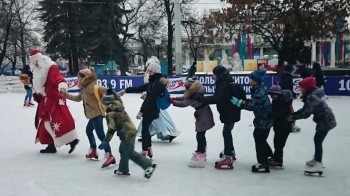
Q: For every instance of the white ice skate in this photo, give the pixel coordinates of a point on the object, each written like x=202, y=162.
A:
x=197, y=160
x=317, y=168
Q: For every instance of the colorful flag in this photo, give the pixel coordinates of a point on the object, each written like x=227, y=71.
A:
x=250, y=48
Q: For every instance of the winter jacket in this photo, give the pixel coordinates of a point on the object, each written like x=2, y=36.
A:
x=221, y=97
x=90, y=103
x=261, y=106
x=313, y=104
x=25, y=79
x=154, y=88
x=203, y=114
x=281, y=109
x=318, y=74
x=286, y=82
x=119, y=121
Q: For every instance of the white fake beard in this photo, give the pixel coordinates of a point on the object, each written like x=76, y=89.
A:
x=39, y=79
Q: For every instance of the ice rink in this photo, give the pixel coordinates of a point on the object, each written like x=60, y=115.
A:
x=26, y=172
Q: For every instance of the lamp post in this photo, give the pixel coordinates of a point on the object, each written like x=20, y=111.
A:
x=158, y=41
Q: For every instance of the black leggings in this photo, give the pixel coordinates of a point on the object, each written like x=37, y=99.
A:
x=201, y=142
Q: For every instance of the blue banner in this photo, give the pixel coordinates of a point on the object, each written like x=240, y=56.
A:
x=334, y=85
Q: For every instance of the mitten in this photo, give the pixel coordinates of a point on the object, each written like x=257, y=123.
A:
x=172, y=99
x=37, y=97
x=139, y=115
x=103, y=145
x=110, y=89
x=236, y=102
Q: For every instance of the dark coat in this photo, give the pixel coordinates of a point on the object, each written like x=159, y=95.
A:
x=286, y=82
x=154, y=88
x=318, y=74
x=313, y=104
x=229, y=113
x=203, y=114
x=281, y=109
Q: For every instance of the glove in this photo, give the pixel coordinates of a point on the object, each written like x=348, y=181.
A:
x=37, y=97
x=103, y=145
x=172, y=99
x=236, y=102
x=139, y=115
x=110, y=89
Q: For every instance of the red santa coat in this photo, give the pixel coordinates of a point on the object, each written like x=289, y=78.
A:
x=56, y=124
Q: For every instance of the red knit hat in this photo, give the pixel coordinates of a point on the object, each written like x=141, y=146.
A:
x=309, y=84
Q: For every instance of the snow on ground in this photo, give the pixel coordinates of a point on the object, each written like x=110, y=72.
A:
x=25, y=171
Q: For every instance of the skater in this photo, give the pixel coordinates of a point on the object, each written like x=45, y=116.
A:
x=229, y=114
x=319, y=77
x=87, y=82
x=263, y=121
x=119, y=121
x=192, y=70
x=29, y=92
x=286, y=82
x=204, y=119
x=281, y=109
x=149, y=110
x=163, y=127
x=323, y=117
x=55, y=124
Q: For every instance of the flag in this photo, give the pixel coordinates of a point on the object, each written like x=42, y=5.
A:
x=250, y=48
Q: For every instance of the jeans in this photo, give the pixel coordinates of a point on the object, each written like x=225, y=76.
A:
x=96, y=124
x=29, y=94
x=228, y=141
x=318, y=140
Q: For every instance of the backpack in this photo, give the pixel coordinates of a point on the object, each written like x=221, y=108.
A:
x=238, y=91
x=100, y=104
x=163, y=100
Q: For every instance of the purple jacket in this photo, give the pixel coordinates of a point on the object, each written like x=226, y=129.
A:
x=203, y=114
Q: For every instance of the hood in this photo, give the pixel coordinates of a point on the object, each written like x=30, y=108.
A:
x=196, y=87
x=89, y=79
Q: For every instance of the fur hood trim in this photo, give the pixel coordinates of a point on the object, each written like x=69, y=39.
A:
x=196, y=87
x=89, y=79
x=164, y=81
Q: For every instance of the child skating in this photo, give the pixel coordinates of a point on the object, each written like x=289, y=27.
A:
x=323, y=117
x=119, y=121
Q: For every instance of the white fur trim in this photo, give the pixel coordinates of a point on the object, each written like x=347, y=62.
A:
x=40, y=70
x=62, y=86
x=66, y=138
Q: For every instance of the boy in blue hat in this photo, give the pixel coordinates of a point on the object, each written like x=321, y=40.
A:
x=261, y=106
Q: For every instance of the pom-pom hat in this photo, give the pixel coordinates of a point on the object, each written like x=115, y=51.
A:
x=258, y=75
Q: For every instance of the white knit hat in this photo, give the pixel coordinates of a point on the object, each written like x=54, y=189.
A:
x=153, y=64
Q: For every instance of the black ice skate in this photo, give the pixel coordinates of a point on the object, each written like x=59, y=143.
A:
x=73, y=144
x=260, y=168
x=119, y=173
x=149, y=171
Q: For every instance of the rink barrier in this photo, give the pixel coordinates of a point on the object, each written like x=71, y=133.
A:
x=335, y=85
x=10, y=84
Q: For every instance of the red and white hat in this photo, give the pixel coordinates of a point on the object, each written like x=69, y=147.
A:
x=35, y=55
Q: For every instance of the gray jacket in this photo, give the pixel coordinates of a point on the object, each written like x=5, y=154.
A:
x=313, y=104
x=203, y=114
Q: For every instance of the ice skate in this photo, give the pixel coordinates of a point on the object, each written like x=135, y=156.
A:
x=149, y=171
x=30, y=103
x=119, y=173
x=197, y=160
x=49, y=149
x=226, y=162
x=260, y=168
x=109, y=159
x=92, y=154
x=296, y=128
x=275, y=164
x=73, y=144
x=317, y=168
x=312, y=162
x=233, y=155
x=150, y=152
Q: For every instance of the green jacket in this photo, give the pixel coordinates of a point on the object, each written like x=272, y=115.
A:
x=119, y=121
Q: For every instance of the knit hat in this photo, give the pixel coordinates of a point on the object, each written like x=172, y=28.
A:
x=189, y=82
x=153, y=64
x=309, y=84
x=287, y=95
x=275, y=89
x=84, y=72
x=219, y=70
x=35, y=55
x=258, y=75
x=289, y=68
